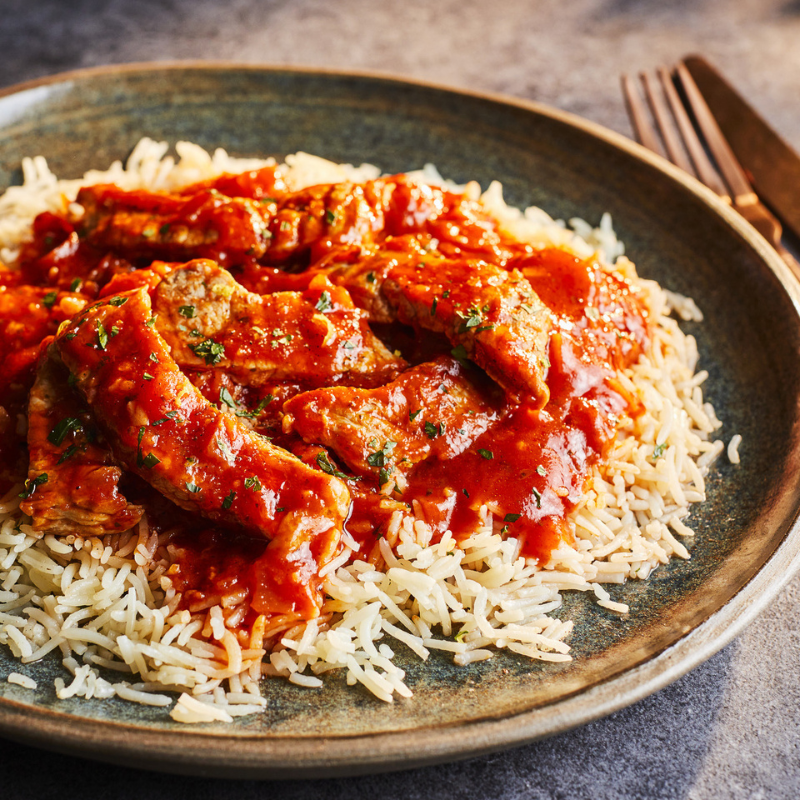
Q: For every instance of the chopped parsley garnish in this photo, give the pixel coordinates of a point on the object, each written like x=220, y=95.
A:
x=102, y=336
x=75, y=285
x=253, y=483
x=151, y=322
x=465, y=492
x=330, y=217
x=30, y=485
x=511, y=517
x=154, y=358
x=379, y=457
x=280, y=510
x=64, y=427
x=67, y=454
x=349, y=345
x=147, y=376
x=370, y=277
x=209, y=350
x=228, y=501
x=114, y=330
x=48, y=301
x=324, y=303
x=168, y=416
x=325, y=465
x=149, y=461
x=472, y=320
x=384, y=475
x=433, y=305
x=226, y=397
x=658, y=450
x=459, y=352
x=431, y=431
x=186, y=311
x=412, y=415
x=192, y=487
x=541, y=470
x=446, y=294
x=538, y=495
x=164, y=228
x=118, y=301
x=70, y=336
x=487, y=454
x=484, y=328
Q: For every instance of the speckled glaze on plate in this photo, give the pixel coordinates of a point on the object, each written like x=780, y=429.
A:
x=677, y=232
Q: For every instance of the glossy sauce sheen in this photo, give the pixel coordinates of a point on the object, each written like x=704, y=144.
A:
x=528, y=460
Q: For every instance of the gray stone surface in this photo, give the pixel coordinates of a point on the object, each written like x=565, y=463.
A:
x=729, y=729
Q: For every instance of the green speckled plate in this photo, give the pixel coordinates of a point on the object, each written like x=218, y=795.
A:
x=676, y=231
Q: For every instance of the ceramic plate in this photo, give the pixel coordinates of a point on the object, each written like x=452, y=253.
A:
x=675, y=231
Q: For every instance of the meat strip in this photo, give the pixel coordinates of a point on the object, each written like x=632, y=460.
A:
x=73, y=479
x=161, y=428
x=317, y=337
x=433, y=411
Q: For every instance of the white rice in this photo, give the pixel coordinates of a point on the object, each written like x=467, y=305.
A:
x=108, y=604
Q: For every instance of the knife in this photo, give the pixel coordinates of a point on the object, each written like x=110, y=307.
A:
x=773, y=165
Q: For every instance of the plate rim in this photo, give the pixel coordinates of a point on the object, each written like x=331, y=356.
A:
x=196, y=752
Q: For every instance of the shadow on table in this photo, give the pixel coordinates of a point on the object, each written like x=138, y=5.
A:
x=652, y=749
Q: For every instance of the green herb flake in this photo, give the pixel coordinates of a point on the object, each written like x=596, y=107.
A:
x=102, y=336
x=70, y=336
x=541, y=470
x=280, y=509
x=168, y=416
x=117, y=301
x=511, y=517
x=67, y=454
x=431, y=431
x=412, y=415
x=324, y=303
x=209, y=350
x=228, y=501
x=658, y=450
x=459, y=352
x=538, y=495
x=446, y=294
x=325, y=465
x=154, y=358
x=487, y=454
x=32, y=484
x=384, y=475
x=150, y=460
x=186, y=311
x=75, y=285
x=192, y=487
x=434, y=304
x=379, y=457
x=465, y=492
x=62, y=428
x=226, y=397
x=48, y=301
x=370, y=277
x=164, y=229
x=151, y=322
x=253, y=483
x=330, y=217
x=147, y=376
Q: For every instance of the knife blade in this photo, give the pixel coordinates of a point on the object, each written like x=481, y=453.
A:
x=772, y=163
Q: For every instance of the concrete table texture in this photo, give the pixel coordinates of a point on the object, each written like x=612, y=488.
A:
x=729, y=729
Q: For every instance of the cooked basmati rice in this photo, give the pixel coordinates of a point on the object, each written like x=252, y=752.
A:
x=108, y=603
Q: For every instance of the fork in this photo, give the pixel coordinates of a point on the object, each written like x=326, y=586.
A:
x=685, y=149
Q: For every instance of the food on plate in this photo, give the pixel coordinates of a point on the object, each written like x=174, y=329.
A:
x=264, y=419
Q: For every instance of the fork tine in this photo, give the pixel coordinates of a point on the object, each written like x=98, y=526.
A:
x=642, y=128
x=665, y=125
x=741, y=190
x=703, y=166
